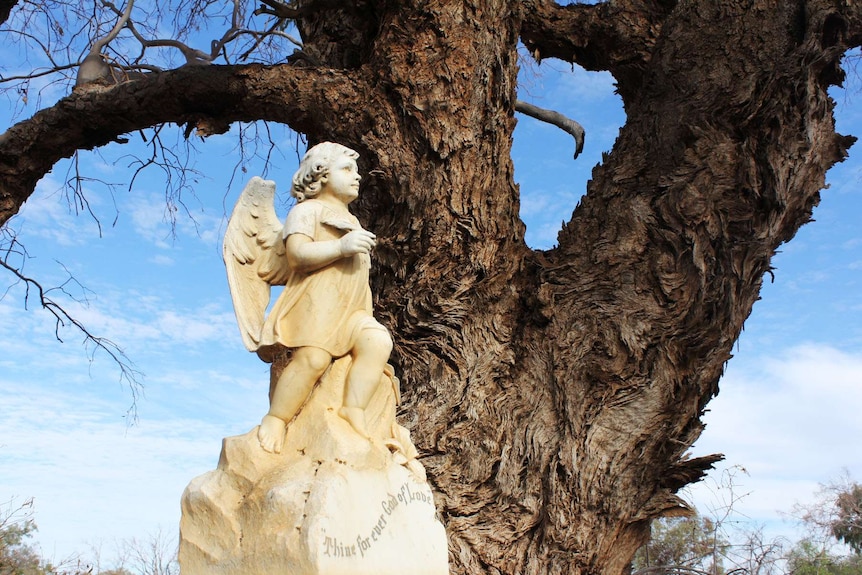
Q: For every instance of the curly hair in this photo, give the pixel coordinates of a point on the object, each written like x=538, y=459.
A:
x=314, y=169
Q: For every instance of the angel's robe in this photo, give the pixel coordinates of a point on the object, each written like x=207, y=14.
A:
x=326, y=308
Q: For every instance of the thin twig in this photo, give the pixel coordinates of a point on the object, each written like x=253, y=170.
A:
x=40, y=74
x=259, y=38
x=64, y=319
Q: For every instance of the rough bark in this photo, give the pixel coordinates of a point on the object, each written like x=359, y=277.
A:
x=553, y=394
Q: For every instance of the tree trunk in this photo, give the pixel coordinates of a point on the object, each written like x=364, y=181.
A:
x=554, y=394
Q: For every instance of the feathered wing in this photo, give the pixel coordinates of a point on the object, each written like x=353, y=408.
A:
x=254, y=257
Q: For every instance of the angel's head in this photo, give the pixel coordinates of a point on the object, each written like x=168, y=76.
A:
x=314, y=169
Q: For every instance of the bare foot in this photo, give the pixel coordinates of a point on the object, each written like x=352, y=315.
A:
x=271, y=433
x=355, y=416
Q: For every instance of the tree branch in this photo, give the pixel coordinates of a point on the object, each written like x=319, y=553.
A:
x=191, y=55
x=62, y=317
x=614, y=36
x=55, y=67
x=291, y=10
x=38, y=74
x=303, y=98
x=93, y=67
x=557, y=119
x=123, y=19
x=279, y=9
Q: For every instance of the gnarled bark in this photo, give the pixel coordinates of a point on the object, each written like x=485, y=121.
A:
x=554, y=394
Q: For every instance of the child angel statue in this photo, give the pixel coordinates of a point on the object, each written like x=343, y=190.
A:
x=321, y=256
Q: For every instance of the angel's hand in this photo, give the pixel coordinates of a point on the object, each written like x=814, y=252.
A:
x=357, y=242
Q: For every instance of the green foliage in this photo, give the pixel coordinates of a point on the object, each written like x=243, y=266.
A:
x=687, y=542
x=847, y=525
x=806, y=558
x=16, y=556
x=157, y=556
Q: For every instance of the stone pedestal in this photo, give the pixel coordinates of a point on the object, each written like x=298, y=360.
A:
x=332, y=503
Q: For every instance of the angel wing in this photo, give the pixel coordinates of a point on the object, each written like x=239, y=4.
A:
x=254, y=257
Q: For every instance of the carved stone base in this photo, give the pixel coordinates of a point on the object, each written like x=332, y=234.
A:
x=332, y=503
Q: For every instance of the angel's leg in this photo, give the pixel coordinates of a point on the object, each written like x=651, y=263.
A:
x=370, y=355
x=292, y=389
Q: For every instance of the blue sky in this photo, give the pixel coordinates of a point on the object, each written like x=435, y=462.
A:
x=787, y=411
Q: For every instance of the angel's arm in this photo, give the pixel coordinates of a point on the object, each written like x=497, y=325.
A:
x=306, y=255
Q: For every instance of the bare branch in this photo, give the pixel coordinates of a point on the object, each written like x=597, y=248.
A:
x=157, y=555
x=53, y=33
x=40, y=73
x=13, y=513
x=287, y=11
x=191, y=55
x=121, y=22
x=557, y=119
x=94, y=68
x=62, y=318
x=176, y=169
x=44, y=47
x=672, y=570
x=261, y=37
x=292, y=10
x=303, y=98
x=197, y=57
x=74, y=183
x=237, y=30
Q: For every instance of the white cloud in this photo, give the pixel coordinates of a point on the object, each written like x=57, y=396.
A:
x=558, y=83
x=852, y=244
x=93, y=477
x=161, y=223
x=792, y=421
x=162, y=260
x=586, y=87
x=163, y=340
x=142, y=321
x=151, y=219
x=48, y=214
x=543, y=236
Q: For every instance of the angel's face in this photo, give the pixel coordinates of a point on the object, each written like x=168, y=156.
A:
x=343, y=180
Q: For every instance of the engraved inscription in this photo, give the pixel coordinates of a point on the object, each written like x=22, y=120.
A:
x=360, y=546
x=332, y=547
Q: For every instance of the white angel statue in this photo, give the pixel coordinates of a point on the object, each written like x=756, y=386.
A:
x=321, y=256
